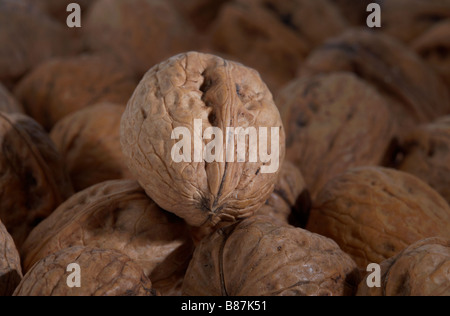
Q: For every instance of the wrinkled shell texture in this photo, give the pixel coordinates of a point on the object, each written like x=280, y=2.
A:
x=373, y=213
x=62, y=86
x=28, y=38
x=262, y=34
x=434, y=47
x=334, y=122
x=89, y=143
x=423, y=269
x=33, y=181
x=117, y=215
x=103, y=273
x=289, y=201
x=427, y=155
x=8, y=103
x=220, y=93
x=10, y=270
x=416, y=94
x=256, y=257
x=408, y=19
x=139, y=33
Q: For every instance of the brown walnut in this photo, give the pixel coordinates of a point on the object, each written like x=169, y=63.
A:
x=426, y=152
x=10, y=270
x=257, y=258
x=334, y=122
x=117, y=215
x=33, y=181
x=102, y=273
x=373, y=213
x=89, y=143
x=423, y=269
x=8, y=103
x=221, y=94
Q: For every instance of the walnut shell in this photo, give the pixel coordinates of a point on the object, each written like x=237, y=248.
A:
x=334, y=122
x=373, y=213
x=290, y=202
x=33, y=181
x=10, y=270
x=257, y=258
x=434, y=47
x=274, y=36
x=139, y=33
x=422, y=269
x=221, y=94
x=63, y=86
x=117, y=215
x=102, y=272
x=426, y=153
x=28, y=38
x=415, y=93
x=8, y=103
x=408, y=19
x=89, y=142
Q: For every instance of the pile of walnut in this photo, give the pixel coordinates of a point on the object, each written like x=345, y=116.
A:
x=87, y=175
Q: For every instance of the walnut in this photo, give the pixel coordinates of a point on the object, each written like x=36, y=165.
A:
x=290, y=203
x=10, y=270
x=373, y=213
x=139, y=33
x=33, y=181
x=193, y=92
x=89, y=142
x=63, y=86
x=434, y=47
x=420, y=270
x=426, y=153
x=28, y=38
x=415, y=93
x=102, y=273
x=257, y=258
x=334, y=122
x=8, y=103
x=408, y=19
x=274, y=36
x=117, y=215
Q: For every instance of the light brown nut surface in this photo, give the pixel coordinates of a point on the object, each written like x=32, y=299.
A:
x=221, y=94
x=139, y=33
x=426, y=153
x=117, y=215
x=102, y=273
x=290, y=202
x=434, y=47
x=422, y=269
x=28, y=38
x=63, y=86
x=33, y=181
x=274, y=36
x=257, y=258
x=334, y=122
x=374, y=213
x=408, y=19
x=89, y=143
x=10, y=270
x=8, y=103
x=415, y=92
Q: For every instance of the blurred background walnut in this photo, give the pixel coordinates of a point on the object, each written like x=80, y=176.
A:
x=103, y=273
x=117, y=215
x=423, y=269
x=10, y=270
x=62, y=86
x=89, y=143
x=258, y=258
x=33, y=181
x=8, y=102
x=374, y=213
